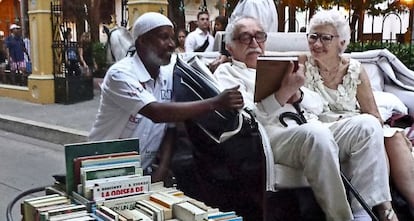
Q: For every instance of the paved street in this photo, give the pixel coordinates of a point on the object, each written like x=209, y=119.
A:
x=26, y=163
x=57, y=123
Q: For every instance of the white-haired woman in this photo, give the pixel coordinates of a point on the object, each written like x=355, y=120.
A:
x=345, y=88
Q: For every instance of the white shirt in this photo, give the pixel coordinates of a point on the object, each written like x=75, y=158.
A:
x=197, y=38
x=267, y=111
x=126, y=89
x=263, y=10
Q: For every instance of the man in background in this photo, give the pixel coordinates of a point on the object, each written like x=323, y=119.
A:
x=200, y=40
x=15, y=54
x=3, y=58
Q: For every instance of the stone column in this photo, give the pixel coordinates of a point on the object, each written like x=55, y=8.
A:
x=41, y=81
x=139, y=7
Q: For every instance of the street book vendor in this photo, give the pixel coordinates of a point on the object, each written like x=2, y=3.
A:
x=136, y=98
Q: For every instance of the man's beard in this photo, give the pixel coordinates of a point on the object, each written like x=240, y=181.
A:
x=157, y=59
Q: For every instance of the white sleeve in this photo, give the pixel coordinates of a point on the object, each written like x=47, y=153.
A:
x=312, y=102
x=126, y=93
x=263, y=10
x=190, y=42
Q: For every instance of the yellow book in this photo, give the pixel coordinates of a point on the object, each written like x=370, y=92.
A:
x=165, y=210
x=25, y=202
x=30, y=207
x=165, y=199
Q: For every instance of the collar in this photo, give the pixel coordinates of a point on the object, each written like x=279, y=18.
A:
x=200, y=32
x=242, y=65
x=143, y=75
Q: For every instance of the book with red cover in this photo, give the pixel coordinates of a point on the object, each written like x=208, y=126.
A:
x=93, y=148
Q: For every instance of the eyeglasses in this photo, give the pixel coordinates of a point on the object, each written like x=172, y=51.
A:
x=325, y=38
x=247, y=38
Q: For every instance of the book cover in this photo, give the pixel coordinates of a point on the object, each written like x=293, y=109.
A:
x=132, y=157
x=115, y=187
x=148, y=212
x=221, y=215
x=135, y=215
x=109, y=212
x=165, y=199
x=67, y=216
x=88, y=160
x=73, y=151
x=229, y=218
x=102, y=216
x=87, y=217
x=32, y=206
x=203, y=206
x=123, y=203
x=269, y=74
x=167, y=212
x=44, y=216
x=127, y=215
x=171, y=191
x=189, y=212
x=110, y=170
x=24, y=205
x=40, y=211
x=157, y=214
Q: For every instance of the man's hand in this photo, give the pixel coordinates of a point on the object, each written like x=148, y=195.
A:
x=228, y=99
x=220, y=60
x=291, y=83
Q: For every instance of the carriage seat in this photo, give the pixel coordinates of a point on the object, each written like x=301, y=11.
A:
x=391, y=80
x=393, y=86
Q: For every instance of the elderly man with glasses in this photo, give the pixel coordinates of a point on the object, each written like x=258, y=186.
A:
x=319, y=150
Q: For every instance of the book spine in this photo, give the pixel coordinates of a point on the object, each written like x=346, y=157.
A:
x=102, y=216
x=123, y=203
x=159, y=201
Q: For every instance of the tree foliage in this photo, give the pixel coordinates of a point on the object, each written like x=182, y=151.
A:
x=358, y=8
x=92, y=11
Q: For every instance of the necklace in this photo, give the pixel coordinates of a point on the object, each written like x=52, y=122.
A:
x=328, y=74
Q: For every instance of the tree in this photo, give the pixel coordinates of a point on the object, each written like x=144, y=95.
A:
x=92, y=11
x=176, y=13
x=357, y=7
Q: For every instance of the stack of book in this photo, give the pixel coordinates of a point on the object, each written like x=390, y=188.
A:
x=160, y=204
x=108, y=176
x=105, y=182
x=53, y=207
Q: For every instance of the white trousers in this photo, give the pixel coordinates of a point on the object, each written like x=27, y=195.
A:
x=354, y=145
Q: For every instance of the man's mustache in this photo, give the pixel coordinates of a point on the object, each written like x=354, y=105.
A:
x=254, y=50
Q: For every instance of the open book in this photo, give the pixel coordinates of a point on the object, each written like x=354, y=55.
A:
x=269, y=74
x=194, y=81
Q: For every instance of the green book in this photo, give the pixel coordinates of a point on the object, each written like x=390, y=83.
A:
x=73, y=151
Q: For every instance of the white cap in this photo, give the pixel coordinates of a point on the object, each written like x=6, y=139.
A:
x=149, y=21
x=14, y=26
